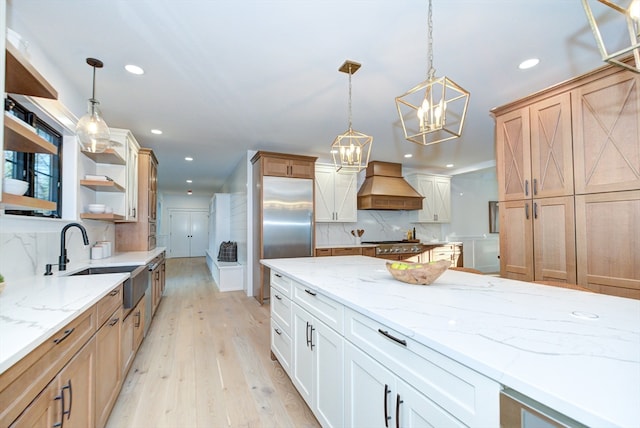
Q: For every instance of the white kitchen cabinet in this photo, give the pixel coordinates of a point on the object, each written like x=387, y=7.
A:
x=402, y=405
x=336, y=195
x=318, y=367
x=436, y=206
x=120, y=164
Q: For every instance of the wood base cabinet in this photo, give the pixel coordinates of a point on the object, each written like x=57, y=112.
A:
x=608, y=247
x=108, y=369
x=69, y=399
x=537, y=240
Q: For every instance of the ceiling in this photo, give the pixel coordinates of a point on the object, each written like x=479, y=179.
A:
x=226, y=76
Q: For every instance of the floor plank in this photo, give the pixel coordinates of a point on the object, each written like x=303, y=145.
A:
x=206, y=362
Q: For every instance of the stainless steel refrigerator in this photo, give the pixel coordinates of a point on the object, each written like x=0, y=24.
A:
x=285, y=224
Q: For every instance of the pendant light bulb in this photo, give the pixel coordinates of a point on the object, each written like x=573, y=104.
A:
x=91, y=130
x=634, y=10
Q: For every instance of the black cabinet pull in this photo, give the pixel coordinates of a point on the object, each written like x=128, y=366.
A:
x=277, y=330
x=278, y=275
x=390, y=336
x=307, y=333
x=526, y=211
x=137, y=323
x=535, y=210
x=278, y=297
x=114, y=292
x=64, y=336
x=114, y=322
x=535, y=186
x=387, y=391
x=526, y=187
x=398, y=402
x=61, y=398
x=309, y=292
x=68, y=412
x=311, y=337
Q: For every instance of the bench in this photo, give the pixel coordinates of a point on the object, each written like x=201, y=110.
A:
x=228, y=276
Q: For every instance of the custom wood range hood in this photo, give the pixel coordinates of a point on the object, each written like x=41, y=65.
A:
x=385, y=189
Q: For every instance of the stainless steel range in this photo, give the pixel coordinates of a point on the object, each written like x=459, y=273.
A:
x=397, y=250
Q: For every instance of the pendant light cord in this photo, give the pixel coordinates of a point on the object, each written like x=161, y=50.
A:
x=349, y=97
x=432, y=71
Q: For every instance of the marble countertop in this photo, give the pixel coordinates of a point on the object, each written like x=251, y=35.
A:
x=576, y=352
x=33, y=309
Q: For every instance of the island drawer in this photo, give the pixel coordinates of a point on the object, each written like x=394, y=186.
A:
x=323, y=252
x=281, y=346
x=24, y=380
x=469, y=395
x=281, y=282
x=346, y=251
x=322, y=307
x=108, y=304
x=281, y=309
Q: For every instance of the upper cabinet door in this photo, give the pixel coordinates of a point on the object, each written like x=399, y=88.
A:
x=513, y=155
x=606, y=131
x=336, y=195
x=551, y=147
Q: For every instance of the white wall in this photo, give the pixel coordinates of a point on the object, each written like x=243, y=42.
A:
x=237, y=186
x=470, y=196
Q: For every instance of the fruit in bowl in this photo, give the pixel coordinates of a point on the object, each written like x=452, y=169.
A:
x=418, y=273
x=14, y=187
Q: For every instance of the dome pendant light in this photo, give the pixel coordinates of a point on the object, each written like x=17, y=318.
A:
x=92, y=131
x=433, y=111
x=351, y=150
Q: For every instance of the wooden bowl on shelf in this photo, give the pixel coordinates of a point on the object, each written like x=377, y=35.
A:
x=418, y=273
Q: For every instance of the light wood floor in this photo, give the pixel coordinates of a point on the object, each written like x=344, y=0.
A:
x=206, y=362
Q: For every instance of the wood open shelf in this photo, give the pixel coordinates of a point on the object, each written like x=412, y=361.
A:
x=103, y=216
x=102, y=185
x=22, y=78
x=20, y=137
x=108, y=156
x=25, y=202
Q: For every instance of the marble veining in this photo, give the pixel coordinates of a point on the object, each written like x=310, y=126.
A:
x=34, y=308
x=523, y=335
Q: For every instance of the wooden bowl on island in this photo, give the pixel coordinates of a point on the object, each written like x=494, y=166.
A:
x=418, y=273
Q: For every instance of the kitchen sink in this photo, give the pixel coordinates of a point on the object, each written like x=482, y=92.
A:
x=134, y=286
x=105, y=269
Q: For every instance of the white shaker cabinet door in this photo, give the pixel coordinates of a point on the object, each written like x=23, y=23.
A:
x=302, y=354
x=328, y=349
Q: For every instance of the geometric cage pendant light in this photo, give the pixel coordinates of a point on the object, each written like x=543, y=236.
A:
x=435, y=110
x=616, y=28
x=351, y=150
x=92, y=131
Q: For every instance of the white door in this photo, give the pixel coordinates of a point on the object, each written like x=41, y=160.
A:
x=302, y=354
x=328, y=347
x=369, y=391
x=189, y=234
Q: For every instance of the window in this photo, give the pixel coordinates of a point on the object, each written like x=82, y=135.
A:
x=42, y=171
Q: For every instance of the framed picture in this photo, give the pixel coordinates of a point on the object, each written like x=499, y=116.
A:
x=494, y=224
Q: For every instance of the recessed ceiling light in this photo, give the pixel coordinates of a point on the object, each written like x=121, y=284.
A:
x=156, y=131
x=528, y=63
x=408, y=155
x=449, y=165
x=134, y=69
x=188, y=158
x=189, y=181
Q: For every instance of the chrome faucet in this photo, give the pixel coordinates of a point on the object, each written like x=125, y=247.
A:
x=63, y=260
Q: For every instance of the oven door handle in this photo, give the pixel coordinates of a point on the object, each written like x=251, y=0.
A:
x=152, y=267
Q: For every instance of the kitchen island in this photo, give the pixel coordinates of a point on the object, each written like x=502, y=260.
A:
x=575, y=352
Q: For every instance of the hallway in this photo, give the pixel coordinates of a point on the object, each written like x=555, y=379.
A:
x=205, y=362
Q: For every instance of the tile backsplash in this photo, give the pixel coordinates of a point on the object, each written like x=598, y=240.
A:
x=378, y=226
x=27, y=244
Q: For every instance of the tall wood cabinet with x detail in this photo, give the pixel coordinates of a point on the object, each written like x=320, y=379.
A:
x=568, y=164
